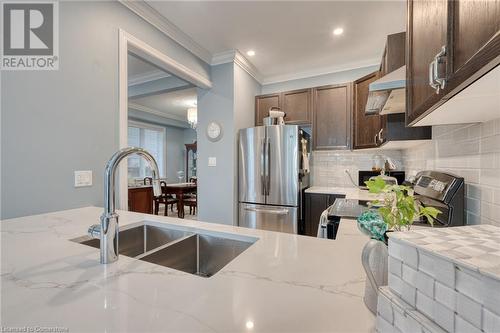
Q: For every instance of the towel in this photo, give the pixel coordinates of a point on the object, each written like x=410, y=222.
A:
x=305, y=156
x=323, y=220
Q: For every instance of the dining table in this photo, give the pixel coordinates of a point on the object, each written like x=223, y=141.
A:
x=180, y=190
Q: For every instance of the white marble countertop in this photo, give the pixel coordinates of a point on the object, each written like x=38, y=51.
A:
x=282, y=283
x=349, y=192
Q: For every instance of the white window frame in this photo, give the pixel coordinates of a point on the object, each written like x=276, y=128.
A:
x=140, y=124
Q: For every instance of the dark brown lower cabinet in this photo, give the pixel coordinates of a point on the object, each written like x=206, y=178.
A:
x=140, y=200
x=315, y=204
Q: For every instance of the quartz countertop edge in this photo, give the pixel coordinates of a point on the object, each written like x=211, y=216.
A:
x=348, y=192
x=282, y=283
x=430, y=240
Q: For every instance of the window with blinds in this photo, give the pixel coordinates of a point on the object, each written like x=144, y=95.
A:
x=152, y=139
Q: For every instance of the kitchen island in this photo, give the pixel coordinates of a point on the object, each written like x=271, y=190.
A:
x=281, y=283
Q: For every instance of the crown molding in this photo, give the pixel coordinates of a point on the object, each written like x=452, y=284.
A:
x=142, y=108
x=320, y=71
x=146, y=77
x=236, y=57
x=152, y=16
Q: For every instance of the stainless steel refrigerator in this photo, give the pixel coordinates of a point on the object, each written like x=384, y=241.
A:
x=272, y=176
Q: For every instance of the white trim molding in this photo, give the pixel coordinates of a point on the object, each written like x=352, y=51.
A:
x=128, y=43
x=161, y=60
x=151, y=15
x=239, y=59
x=320, y=71
x=146, y=77
x=142, y=108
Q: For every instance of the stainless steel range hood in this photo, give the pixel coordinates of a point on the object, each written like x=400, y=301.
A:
x=387, y=94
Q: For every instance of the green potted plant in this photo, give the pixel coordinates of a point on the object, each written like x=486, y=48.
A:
x=395, y=211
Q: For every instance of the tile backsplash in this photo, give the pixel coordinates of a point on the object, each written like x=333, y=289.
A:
x=328, y=167
x=471, y=151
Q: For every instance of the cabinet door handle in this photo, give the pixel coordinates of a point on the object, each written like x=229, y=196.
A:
x=440, y=59
x=432, y=75
x=435, y=81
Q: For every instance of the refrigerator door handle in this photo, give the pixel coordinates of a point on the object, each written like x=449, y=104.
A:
x=268, y=211
x=263, y=167
x=268, y=166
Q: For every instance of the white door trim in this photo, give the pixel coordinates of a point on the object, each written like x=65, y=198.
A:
x=126, y=43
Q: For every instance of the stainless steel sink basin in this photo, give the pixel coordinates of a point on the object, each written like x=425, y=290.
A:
x=199, y=254
x=141, y=239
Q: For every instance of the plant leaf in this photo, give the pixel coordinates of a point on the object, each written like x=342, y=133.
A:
x=376, y=186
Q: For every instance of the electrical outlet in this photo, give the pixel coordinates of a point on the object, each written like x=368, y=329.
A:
x=212, y=161
x=83, y=178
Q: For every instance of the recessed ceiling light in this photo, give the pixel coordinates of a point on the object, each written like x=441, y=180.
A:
x=250, y=53
x=338, y=31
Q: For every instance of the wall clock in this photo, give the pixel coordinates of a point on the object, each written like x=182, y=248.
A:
x=214, y=131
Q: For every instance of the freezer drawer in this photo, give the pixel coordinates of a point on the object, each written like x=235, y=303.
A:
x=274, y=218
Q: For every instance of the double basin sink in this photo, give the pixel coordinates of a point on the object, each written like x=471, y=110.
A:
x=199, y=253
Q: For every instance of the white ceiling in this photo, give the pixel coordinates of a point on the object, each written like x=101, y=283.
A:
x=172, y=104
x=290, y=38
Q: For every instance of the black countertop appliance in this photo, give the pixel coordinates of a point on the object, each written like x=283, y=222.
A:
x=364, y=176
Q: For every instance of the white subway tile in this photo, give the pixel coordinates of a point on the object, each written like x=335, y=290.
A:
x=383, y=326
x=491, y=322
x=384, y=309
x=469, y=309
x=425, y=284
x=395, y=266
x=469, y=283
x=463, y=326
x=491, y=294
x=409, y=275
x=443, y=316
x=425, y=304
x=445, y=295
x=441, y=270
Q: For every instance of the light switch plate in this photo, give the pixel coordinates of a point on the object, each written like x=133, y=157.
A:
x=212, y=161
x=83, y=178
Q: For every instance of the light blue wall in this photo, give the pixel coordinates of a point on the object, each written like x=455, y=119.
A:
x=320, y=80
x=231, y=103
x=216, y=184
x=56, y=122
x=176, y=150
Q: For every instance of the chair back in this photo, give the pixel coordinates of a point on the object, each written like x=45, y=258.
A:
x=163, y=186
x=148, y=181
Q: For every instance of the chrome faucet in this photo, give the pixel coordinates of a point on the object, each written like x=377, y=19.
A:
x=107, y=230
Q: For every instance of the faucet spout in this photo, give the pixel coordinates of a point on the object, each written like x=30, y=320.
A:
x=108, y=228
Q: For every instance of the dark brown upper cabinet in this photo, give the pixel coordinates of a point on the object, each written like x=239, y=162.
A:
x=365, y=127
x=296, y=104
x=450, y=44
x=262, y=105
x=332, y=110
x=394, y=53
